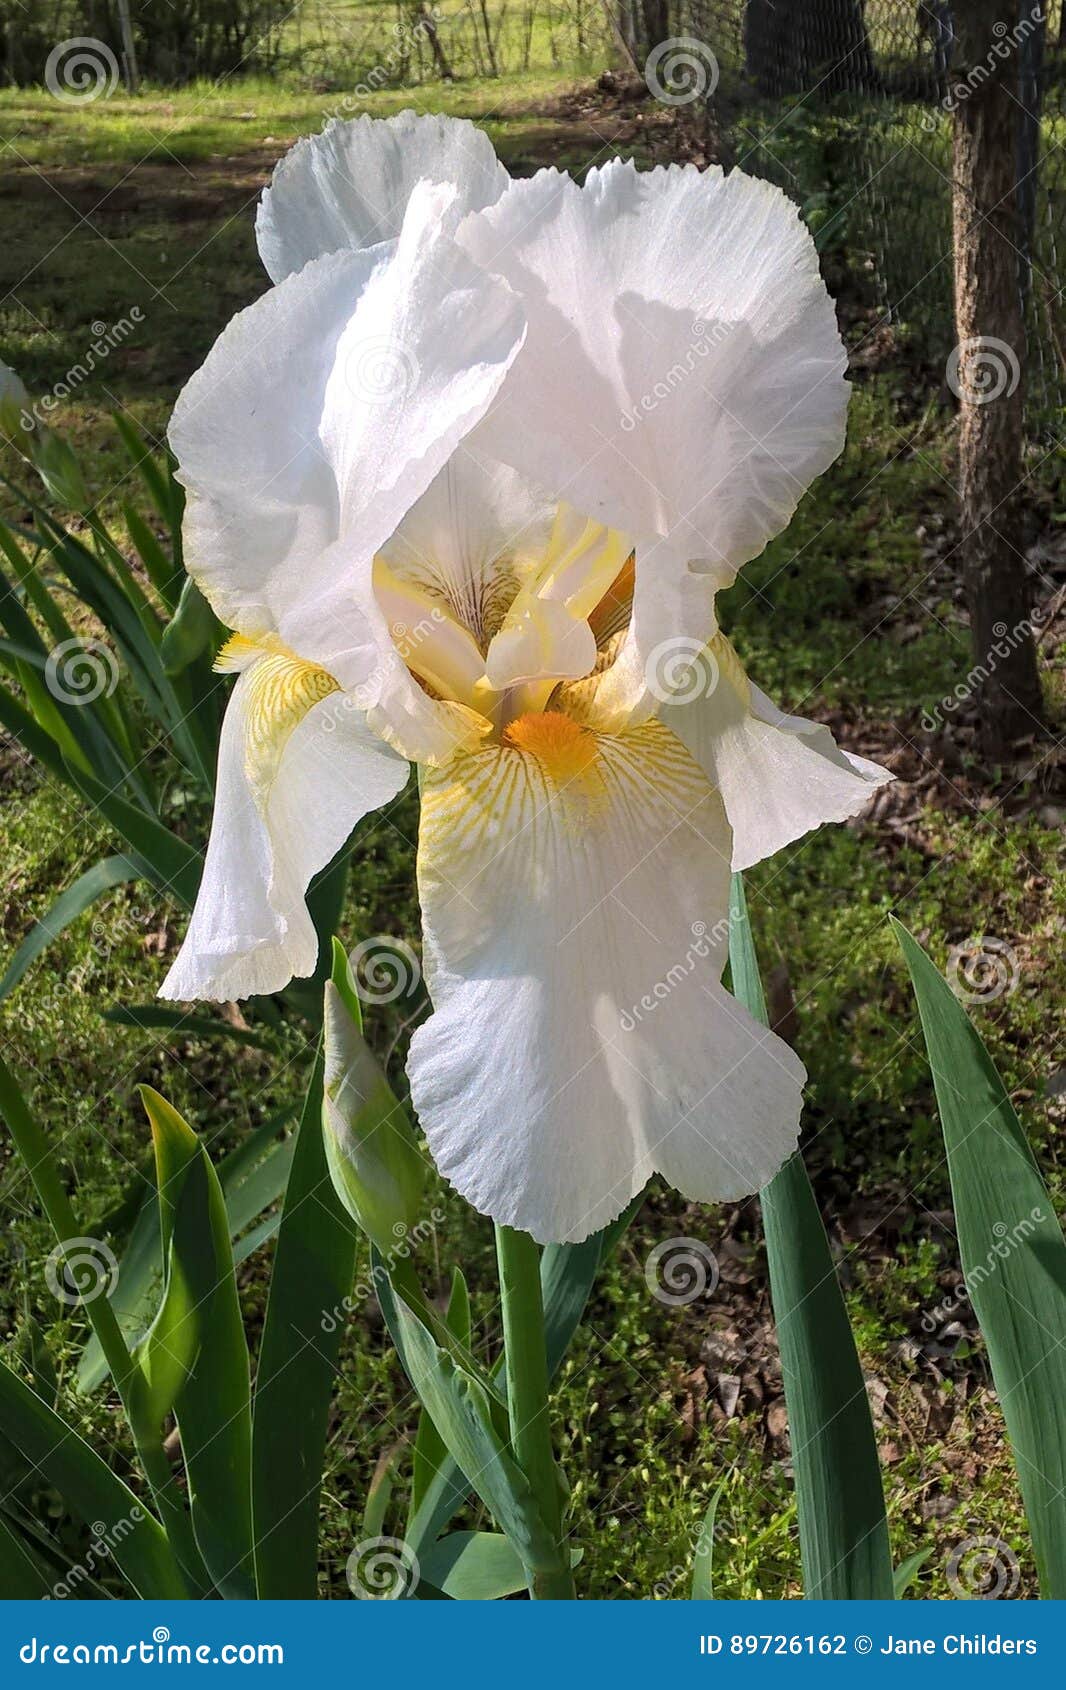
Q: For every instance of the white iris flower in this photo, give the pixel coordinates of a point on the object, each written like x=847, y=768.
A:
x=465, y=482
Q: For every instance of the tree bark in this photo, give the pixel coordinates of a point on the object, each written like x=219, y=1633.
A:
x=987, y=374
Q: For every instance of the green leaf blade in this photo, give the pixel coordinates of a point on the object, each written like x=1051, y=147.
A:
x=840, y=1501
x=1012, y=1251
x=314, y=1262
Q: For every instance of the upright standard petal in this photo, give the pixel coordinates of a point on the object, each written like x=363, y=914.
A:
x=297, y=769
x=779, y=776
x=319, y=418
x=575, y=892
x=349, y=186
x=682, y=379
x=475, y=534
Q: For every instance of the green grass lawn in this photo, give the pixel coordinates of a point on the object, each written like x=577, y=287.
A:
x=853, y=614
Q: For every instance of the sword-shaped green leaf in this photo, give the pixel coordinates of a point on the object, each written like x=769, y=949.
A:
x=90, y=1489
x=314, y=1260
x=195, y=1356
x=1013, y=1255
x=841, y=1505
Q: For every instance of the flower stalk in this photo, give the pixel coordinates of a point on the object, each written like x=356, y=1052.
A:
x=527, y=1397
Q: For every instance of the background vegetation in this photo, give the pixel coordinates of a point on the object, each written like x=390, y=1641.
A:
x=854, y=616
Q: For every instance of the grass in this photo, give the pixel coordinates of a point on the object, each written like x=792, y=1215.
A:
x=852, y=614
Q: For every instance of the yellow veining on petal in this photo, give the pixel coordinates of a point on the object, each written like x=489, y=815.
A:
x=550, y=774
x=434, y=645
x=280, y=690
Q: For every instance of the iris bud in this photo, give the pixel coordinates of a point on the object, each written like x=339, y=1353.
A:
x=375, y=1165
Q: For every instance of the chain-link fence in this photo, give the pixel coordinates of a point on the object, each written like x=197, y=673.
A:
x=848, y=106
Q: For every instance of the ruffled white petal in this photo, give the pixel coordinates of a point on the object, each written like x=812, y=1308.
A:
x=250, y=931
x=779, y=776
x=349, y=186
x=683, y=376
x=575, y=934
x=321, y=415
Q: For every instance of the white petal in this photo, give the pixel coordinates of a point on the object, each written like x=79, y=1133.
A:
x=349, y=186
x=321, y=415
x=682, y=379
x=250, y=931
x=575, y=934
x=779, y=776
x=683, y=369
x=478, y=529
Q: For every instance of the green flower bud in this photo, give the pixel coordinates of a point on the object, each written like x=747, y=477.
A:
x=374, y=1162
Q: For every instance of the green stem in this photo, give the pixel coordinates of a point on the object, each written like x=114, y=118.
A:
x=526, y=1363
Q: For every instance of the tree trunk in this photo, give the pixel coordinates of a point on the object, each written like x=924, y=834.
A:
x=803, y=46
x=987, y=365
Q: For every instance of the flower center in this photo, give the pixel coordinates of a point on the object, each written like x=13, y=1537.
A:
x=565, y=750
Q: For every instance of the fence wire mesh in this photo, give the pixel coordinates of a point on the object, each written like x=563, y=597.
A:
x=848, y=107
